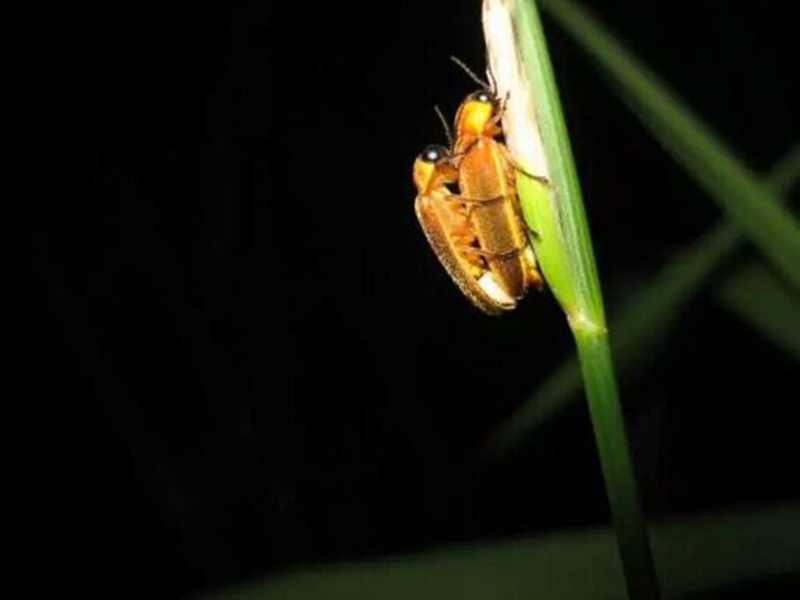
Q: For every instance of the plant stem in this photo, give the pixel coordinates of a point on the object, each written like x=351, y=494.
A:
x=612, y=446
x=552, y=203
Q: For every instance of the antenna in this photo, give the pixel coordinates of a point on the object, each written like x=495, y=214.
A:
x=471, y=73
x=446, y=126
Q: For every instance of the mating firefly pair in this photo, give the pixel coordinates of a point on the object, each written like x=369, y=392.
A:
x=468, y=207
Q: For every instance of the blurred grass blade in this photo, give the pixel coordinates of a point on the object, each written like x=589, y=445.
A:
x=643, y=323
x=694, y=555
x=749, y=203
x=785, y=174
x=759, y=298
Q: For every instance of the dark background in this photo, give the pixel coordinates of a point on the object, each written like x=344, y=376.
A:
x=238, y=349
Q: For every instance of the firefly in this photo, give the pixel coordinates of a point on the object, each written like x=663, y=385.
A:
x=446, y=222
x=477, y=232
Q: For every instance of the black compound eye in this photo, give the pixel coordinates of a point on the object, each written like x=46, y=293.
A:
x=434, y=153
x=482, y=96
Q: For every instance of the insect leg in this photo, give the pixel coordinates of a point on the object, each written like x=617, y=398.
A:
x=508, y=254
x=474, y=201
x=501, y=110
x=532, y=232
x=473, y=204
x=532, y=275
x=517, y=167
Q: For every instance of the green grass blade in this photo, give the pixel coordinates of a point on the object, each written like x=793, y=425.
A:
x=786, y=173
x=536, y=134
x=608, y=422
x=760, y=299
x=643, y=322
x=694, y=555
x=740, y=195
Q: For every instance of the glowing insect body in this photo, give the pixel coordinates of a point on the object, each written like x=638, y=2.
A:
x=478, y=235
x=446, y=221
x=486, y=171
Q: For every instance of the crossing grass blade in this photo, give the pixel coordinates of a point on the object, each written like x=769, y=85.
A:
x=643, y=323
x=695, y=555
x=759, y=298
x=751, y=205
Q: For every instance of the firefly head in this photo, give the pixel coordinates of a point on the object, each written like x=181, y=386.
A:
x=477, y=115
x=433, y=167
x=434, y=154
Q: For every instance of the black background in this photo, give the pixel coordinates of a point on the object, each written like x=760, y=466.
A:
x=240, y=352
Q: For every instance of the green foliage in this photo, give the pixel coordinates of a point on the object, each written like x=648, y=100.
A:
x=729, y=547
x=643, y=323
x=738, y=192
x=579, y=564
x=761, y=299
